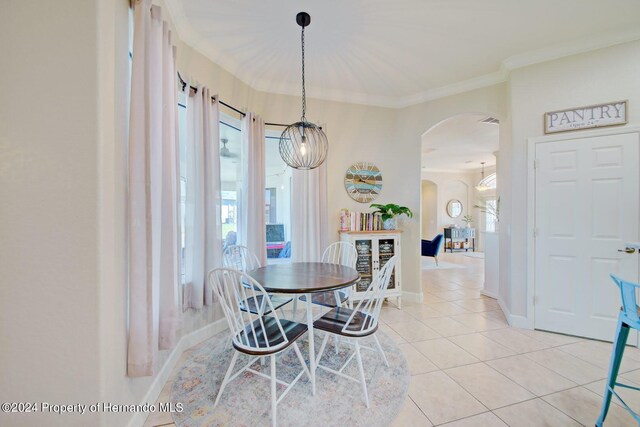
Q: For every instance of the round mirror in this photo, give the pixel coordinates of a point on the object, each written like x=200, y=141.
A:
x=454, y=208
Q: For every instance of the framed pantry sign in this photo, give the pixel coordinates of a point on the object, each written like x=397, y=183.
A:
x=592, y=116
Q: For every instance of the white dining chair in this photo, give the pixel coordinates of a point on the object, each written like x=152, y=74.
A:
x=342, y=253
x=356, y=324
x=256, y=334
x=242, y=259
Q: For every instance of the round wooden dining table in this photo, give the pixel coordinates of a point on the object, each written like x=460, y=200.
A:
x=305, y=278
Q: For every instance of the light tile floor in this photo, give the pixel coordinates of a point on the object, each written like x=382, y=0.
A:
x=470, y=369
x=480, y=372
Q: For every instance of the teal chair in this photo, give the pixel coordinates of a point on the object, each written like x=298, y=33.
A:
x=628, y=319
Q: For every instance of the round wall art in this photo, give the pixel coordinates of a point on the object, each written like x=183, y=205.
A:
x=363, y=182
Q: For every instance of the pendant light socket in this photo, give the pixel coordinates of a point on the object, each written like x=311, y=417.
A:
x=303, y=19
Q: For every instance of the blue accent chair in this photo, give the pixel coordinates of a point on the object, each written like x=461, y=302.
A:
x=432, y=247
x=629, y=318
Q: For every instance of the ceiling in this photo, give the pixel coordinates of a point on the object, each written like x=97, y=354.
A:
x=396, y=53
x=460, y=144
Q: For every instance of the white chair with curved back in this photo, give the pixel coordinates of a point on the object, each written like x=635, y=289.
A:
x=342, y=253
x=255, y=334
x=242, y=259
x=358, y=323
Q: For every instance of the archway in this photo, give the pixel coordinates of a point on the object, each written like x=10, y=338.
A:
x=457, y=154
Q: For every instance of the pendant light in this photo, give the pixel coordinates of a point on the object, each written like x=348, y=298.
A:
x=482, y=186
x=303, y=145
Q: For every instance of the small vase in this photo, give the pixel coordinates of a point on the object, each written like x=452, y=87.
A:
x=390, y=224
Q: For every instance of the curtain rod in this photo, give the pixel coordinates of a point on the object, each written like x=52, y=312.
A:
x=243, y=114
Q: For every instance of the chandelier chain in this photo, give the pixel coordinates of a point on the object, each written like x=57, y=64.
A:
x=304, y=96
x=303, y=145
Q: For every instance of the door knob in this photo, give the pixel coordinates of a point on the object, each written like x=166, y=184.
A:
x=627, y=250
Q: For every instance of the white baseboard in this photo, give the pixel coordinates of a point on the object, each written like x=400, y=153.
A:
x=490, y=295
x=504, y=309
x=515, y=320
x=518, y=321
x=413, y=296
x=204, y=333
x=186, y=342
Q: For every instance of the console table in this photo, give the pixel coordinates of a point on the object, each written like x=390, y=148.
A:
x=462, y=235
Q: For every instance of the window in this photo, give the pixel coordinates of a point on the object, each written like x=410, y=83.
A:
x=271, y=206
x=182, y=142
x=277, y=188
x=489, y=216
x=277, y=201
x=230, y=177
x=488, y=182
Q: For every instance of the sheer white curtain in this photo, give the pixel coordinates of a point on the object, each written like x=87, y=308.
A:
x=251, y=229
x=203, y=241
x=154, y=193
x=309, y=220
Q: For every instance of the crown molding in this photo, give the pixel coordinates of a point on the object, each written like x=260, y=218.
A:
x=573, y=47
x=561, y=50
x=454, y=88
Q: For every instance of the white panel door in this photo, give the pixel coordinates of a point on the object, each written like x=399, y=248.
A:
x=586, y=209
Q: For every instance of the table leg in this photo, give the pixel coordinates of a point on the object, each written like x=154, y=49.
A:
x=312, y=350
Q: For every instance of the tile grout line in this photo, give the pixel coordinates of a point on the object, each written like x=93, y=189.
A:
x=419, y=409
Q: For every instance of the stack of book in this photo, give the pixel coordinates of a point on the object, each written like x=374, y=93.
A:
x=360, y=221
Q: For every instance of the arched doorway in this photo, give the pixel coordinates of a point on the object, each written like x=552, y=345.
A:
x=458, y=155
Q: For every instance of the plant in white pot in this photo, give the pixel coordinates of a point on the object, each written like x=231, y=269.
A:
x=390, y=212
x=468, y=219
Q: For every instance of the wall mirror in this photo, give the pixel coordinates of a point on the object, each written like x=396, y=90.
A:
x=454, y=208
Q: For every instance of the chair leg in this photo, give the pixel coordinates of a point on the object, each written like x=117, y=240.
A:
x=301, y=359
x=362, y=380
x=274, y=401
x=436, y=260
x=324, y=343
x=381, y=351
x=226, y=377
x=622, y=334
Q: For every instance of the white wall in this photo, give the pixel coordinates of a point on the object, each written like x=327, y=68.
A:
x=48, y=215
x=603, y=75
x=429, y=209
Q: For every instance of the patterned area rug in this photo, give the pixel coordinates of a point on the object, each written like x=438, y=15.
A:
x=246, y=401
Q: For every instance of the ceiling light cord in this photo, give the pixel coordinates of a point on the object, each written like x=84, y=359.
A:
x=304, y=95
x=303, y=145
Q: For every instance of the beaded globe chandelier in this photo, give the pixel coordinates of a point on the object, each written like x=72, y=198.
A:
x=303, y=145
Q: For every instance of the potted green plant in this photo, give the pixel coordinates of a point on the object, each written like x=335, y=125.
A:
x=390, y=212
x=468, y=219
